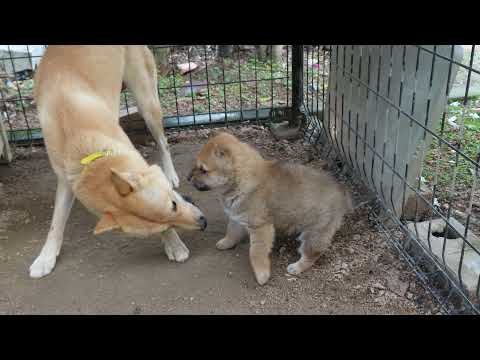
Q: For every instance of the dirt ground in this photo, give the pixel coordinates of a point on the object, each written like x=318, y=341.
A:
x=113, y=274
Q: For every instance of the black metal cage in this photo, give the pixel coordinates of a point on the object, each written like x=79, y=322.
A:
x=403, y=120
x=198, y=86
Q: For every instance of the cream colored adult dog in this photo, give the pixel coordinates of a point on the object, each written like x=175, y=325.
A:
x=77, y=90
x=263, y=197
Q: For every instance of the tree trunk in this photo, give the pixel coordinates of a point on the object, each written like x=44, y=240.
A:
x=161, y=58
x=261, y=52
x=224, y=50
x=277, y=52
x=265, y=51
x=5, y=152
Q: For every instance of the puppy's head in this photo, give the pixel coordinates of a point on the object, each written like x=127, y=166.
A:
x=147, y=204
x=214, y=164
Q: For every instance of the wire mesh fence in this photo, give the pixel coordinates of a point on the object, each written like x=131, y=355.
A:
x=404, y=120
x=199, y=85
x=210, y=87
x=17, y=106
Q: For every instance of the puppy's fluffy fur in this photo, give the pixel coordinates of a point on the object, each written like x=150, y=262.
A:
x=263, y=197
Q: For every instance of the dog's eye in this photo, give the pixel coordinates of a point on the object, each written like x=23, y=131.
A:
x=174, y=206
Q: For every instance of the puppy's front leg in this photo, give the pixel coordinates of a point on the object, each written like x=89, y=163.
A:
x=235, y=234
x=45, y=262
x=174, y=247
x=261, y=242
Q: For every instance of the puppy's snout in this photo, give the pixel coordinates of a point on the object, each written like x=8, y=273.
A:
x=188, y=199
x=202, y=221
x=201, y=187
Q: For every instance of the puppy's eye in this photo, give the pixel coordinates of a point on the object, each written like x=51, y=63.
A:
x=174, y=206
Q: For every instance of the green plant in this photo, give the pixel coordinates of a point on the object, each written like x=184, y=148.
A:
x=443, y=163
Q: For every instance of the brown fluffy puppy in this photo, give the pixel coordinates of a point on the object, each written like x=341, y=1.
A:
x=263, y=197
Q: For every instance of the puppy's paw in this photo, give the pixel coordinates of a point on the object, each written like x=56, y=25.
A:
x=225, y=244
x=176, y=251
x=262, y=276
x=296, y=268
x=42, y=266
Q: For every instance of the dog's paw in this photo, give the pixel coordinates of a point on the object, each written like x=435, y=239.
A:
x=174, y=180
x=295, y=268
x=262, y=277
x=171, y=175
x=225, y=244
x=176, y=251
x=42, y=266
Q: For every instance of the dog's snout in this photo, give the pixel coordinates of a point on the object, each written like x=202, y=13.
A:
x=202, y=221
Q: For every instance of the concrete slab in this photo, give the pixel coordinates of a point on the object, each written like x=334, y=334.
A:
x=469, y=272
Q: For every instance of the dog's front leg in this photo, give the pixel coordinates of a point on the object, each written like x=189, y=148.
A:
x=164, y=152
x=45, y=262
x=261, y=242
x=141, y=77
x=152, y=115
x=174, y=247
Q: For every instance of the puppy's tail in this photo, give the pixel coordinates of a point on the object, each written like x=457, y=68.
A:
x=362, y=204
x=348, y=201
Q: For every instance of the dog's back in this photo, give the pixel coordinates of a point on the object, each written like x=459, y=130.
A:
x=94, y=68
x=74, y=79
x=77, y=90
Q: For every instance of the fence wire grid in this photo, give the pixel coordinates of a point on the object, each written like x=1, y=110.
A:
x=198, y=85
x=404, y=120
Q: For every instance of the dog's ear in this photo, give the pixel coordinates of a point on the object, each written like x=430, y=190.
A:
x=129, y=224
x=107, y=223
x=134, y=225
x=221, y=152
x=125, y=182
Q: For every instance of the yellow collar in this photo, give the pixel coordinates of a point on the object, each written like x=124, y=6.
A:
x=96, y=155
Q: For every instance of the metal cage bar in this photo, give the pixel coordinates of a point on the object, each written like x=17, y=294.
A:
x=238, y=86
x=384, y=113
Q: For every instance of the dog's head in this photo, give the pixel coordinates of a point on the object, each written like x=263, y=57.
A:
x=214, y=164
x=145, y=203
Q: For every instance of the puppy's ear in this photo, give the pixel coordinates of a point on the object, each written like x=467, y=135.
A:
x=213, y=134
x=221, y=152
x=107, y=223
x=125, y=182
